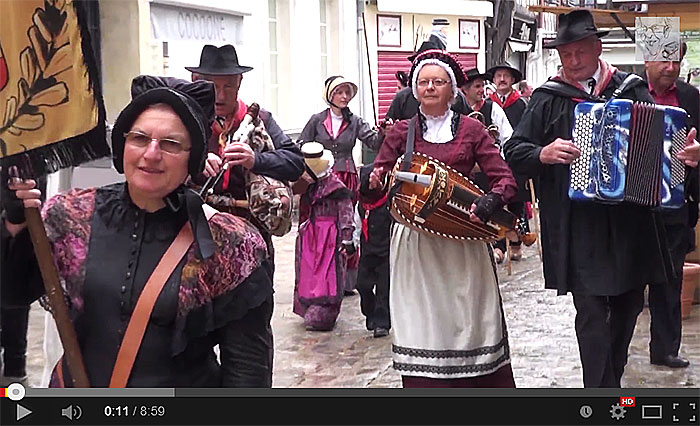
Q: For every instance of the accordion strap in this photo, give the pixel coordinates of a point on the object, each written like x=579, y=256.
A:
x=628, y=82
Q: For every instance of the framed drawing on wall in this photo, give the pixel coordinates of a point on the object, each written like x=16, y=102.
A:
x=389, y=30
x=468, y=34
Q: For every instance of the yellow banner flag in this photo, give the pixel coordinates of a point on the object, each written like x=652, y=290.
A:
x=51, y=111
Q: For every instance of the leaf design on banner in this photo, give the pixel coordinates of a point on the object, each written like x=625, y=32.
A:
x=23, y=90
x=10, y=110
x=46, y=57
x=60, y=61
x=27, y=61
x=39, y=46
x=29, y=121
x=54, y=95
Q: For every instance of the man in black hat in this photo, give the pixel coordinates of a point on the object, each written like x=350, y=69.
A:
x=404, y=105
x=473, y=91
x=665, y=296
x=504, y=77
x=286, y=163
x=602, y=254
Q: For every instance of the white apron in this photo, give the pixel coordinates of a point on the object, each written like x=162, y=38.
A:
x=445, y=305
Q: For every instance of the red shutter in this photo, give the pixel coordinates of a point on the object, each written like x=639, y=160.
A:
x=390, y=62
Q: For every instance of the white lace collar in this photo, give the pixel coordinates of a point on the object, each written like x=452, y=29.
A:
x=438, y=129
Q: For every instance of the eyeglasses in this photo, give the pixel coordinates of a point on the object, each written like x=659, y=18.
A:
x=142, y=140
x=437, y=82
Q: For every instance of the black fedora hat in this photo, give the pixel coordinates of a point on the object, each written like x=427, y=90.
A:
x=574, y=26
x=474, y=74
x=517, y=75
x=219, y=61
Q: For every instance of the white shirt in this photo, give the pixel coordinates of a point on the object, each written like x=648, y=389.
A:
x=499, y=118
x=438, y=129
x=336, y=122
x=357, y=226
x=596, y=76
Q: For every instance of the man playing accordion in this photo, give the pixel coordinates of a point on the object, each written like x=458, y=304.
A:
x=603, y=254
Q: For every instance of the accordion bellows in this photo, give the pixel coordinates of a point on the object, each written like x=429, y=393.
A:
x=628, y=153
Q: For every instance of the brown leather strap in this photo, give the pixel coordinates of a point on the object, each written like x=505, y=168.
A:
x=144, y=306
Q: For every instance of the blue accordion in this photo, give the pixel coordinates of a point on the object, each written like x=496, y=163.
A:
x=628, y=153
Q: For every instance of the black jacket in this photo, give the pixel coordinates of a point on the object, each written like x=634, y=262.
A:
x=591, y=248
x=515, y=112
x=378, y=220
x=689, y=99
x=378, y=231
x=20, y=280
x=679, y=224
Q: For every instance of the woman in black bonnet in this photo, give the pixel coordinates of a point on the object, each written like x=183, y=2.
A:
x=107, y=242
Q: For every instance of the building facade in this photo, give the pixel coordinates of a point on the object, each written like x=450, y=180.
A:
x=396, y=28
x=293, y=46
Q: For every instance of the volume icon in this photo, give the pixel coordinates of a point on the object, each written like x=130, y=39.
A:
x=72, y=412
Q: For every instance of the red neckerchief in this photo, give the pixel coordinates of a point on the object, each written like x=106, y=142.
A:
x=369, y=207
x=510, y=100
x=328, y=124
x=230, y=126
x=606, y=73
x=477, y=107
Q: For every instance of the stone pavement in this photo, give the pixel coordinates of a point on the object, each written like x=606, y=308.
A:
x=540, y=325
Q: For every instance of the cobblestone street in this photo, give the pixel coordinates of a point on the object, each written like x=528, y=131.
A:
x=540, y=325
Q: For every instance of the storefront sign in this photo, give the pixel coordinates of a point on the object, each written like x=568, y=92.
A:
x=178, y=23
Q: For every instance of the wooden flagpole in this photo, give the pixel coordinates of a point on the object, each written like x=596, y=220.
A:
x=369, y=69
x=54, y=293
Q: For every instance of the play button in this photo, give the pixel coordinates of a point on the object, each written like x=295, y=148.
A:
x=22, y=412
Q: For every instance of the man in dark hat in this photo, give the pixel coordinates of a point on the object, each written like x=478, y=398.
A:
x=603, y=254
x=665, y=296
x=473, y=91
x=504, y=77
x=286, y=163
x=404, y=105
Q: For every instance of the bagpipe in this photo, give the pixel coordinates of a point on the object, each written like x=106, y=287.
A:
x=434, y=198
x=628, y=153
x=269, y=200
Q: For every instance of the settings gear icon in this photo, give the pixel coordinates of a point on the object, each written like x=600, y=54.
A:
x=617, y=412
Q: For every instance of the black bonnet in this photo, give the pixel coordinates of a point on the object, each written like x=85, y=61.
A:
x=185, y=98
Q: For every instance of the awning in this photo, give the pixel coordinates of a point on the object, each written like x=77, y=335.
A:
x=519, y=45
